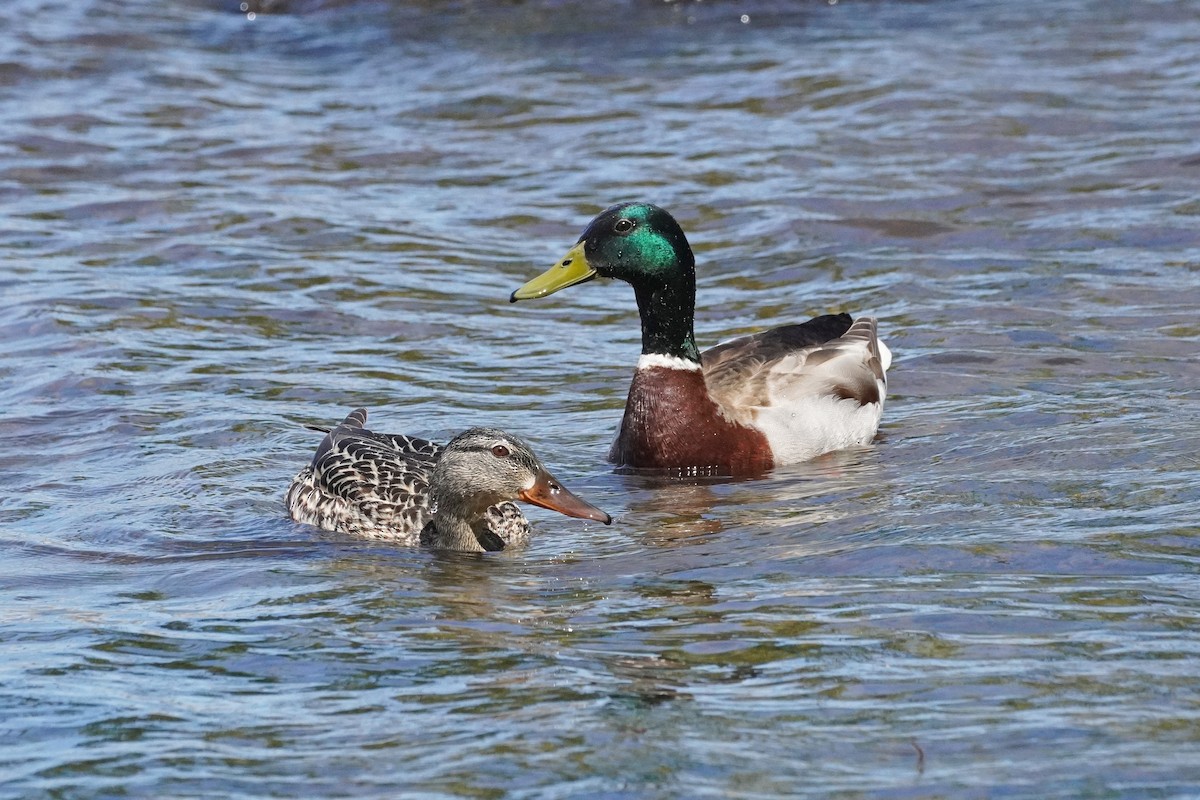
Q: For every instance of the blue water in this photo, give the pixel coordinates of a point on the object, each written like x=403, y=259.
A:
x=216, y=229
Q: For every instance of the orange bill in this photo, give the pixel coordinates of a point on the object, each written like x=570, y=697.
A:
x=547, y=492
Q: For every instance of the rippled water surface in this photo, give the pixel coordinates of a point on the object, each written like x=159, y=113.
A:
x=217, y=227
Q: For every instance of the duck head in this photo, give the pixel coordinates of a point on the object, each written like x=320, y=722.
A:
x=483, y=466
x=638, y=243
x=643, y=245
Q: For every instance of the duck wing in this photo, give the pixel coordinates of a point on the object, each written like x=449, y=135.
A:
x=362, y=466
x=818, y=397
x=738, y=372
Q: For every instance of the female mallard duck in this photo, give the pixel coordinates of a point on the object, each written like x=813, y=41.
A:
x=409, y=490
x=776, y=397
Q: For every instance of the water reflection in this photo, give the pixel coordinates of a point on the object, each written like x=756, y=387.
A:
x=796, y=497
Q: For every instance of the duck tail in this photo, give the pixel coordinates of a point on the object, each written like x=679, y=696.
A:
x=355, y=419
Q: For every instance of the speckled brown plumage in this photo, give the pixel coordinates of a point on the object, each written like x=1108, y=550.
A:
x=410, y=490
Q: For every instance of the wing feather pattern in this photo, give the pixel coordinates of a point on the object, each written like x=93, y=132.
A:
x=809, y=388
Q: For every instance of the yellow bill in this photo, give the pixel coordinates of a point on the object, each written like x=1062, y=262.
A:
x=572, y=269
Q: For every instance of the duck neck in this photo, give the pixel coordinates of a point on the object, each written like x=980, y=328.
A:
x=667, y=311
x=452, y=527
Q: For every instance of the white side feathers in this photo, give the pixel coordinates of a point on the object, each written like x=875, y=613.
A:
x=885, y=355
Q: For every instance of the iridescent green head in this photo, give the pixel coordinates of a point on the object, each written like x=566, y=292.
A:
x=638, y=243
x=643, y=245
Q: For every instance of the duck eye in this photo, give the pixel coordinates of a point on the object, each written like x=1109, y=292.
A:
x=623, y=225
x=500, y=451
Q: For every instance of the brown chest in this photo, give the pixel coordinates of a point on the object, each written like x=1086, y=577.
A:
x=671, y=423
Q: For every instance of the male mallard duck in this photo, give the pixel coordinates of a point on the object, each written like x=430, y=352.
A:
x=776, y=397
x=409, y=490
